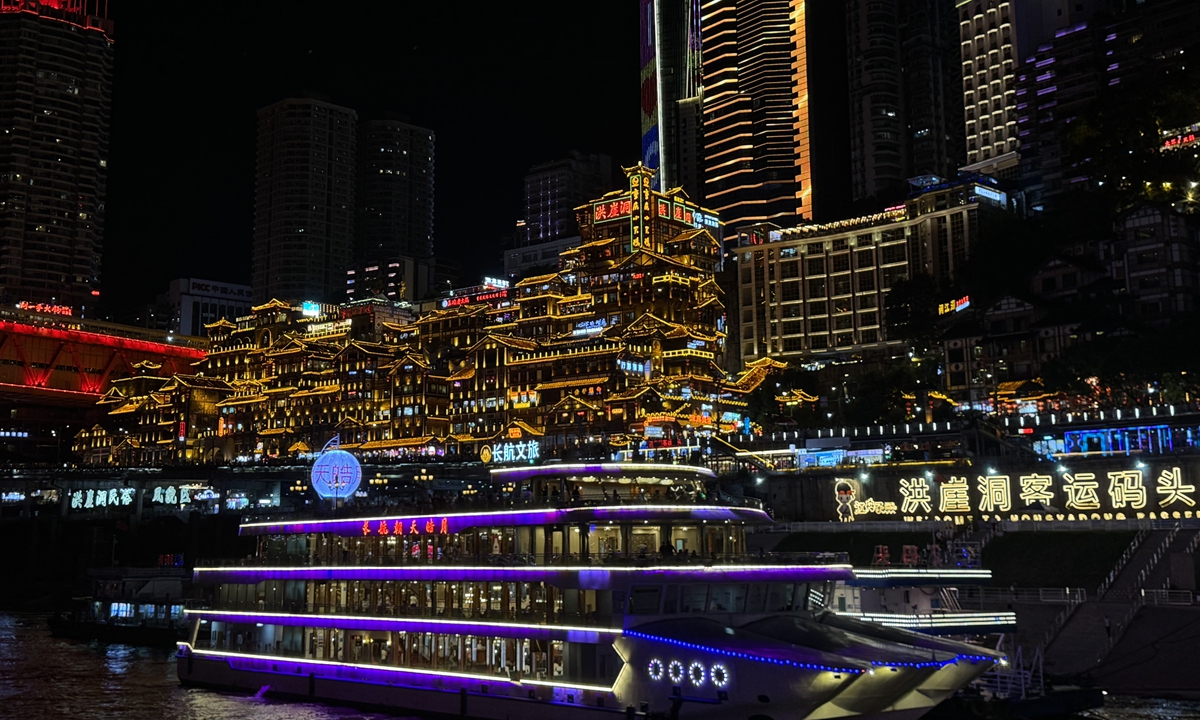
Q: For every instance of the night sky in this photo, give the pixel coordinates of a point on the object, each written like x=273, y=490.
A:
x=503, y=86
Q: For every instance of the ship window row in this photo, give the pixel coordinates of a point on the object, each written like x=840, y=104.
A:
x=529, y=602
x=425, y=542
x=480, y=655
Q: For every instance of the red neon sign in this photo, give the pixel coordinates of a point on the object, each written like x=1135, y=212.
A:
x=477, y=298
x=1179, y=140
x=613, y=210
x=46, y=308
x=433, y=526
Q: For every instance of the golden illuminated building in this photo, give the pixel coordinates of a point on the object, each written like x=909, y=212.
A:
x=628, y=333
x=757, y=157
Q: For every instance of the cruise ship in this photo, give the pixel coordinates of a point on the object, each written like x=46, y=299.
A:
x=608, y=590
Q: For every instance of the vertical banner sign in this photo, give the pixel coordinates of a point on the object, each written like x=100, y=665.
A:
x=651, y=144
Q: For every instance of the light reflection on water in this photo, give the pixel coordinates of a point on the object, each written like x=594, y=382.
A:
x=42, y=677
x=1120, y=708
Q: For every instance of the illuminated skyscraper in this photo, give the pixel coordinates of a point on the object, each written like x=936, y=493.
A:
x=56, y=61
x=672, y=94
x=996, y=36
x=304, y=200
x=757, y=164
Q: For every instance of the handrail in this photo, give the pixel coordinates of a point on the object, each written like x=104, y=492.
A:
x=1061, y=619
x=1155, y=558
x=1120, y=564
x=981, y=595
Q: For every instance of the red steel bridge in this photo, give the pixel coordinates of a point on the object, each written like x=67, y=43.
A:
x=60, y=360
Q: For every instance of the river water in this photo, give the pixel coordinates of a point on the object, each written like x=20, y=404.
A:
x=43, y=677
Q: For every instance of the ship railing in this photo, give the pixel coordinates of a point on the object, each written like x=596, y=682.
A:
x=553, y=503
x=386, y=610
x=978, y=596
x=527, y=560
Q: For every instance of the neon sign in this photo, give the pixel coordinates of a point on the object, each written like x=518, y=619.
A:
x=589, y=327
x=954, y=306
x=1133, y=494
x=431, y=526
x=90, y=499
x=476, y=298
x=612, y=210
x=336, y=474
x=1179, y=141
x=45, y=308
x=508, y=452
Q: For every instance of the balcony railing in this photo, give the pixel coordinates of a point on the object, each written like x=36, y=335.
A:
x=647, y=560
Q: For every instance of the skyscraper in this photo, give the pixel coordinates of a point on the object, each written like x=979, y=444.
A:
x=395, y=190
x=56, y=60
x=904, y=84
x=996, y=36
x=554, y=189
x=304, y=200
x=757, y=164
x=672, y=94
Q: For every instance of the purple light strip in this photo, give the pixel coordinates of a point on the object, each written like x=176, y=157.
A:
x=458, y=522
x=382, y=674
x=522, y=473
x=587, y=578
x=746, y=656
x=401, y=624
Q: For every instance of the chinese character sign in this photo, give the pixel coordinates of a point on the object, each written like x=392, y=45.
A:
x=427, y=526
x=336, y=474
x=1058, y=494
x=511, y=452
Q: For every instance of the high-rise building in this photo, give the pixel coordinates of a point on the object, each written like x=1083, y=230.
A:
x=996, y=36
x=757, y=164
x=554, y=189
x=398, y=278
x=1088, y=63
x=304, y=200
x=820, y=290
x=903, y=78
x=194, y=303
x=672, y=94
x=394, y=190
x=56, y=62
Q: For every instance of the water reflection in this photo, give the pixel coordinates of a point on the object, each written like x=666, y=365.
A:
x=41, y=676
x=44, y=677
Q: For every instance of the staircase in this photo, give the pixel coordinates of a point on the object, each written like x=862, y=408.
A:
x=1159, y=576
x=1129, y=577
x=1082, y=641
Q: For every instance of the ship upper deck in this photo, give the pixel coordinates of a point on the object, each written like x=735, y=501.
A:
x=455, y=523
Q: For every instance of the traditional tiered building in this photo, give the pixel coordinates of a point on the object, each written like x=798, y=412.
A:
x=624, y=341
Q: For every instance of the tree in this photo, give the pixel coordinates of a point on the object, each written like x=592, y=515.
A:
x=910, y=313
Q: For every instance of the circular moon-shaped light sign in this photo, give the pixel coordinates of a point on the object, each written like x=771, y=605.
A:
x=336, y=474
